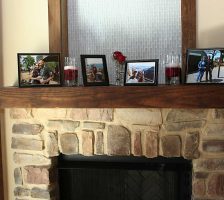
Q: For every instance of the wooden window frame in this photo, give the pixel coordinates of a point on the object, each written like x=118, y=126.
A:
x=58, y=26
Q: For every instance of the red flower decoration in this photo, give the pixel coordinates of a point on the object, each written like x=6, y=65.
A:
x=119, y=57
x=116, y=54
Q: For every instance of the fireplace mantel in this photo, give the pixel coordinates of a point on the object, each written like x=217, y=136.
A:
x=181, y=96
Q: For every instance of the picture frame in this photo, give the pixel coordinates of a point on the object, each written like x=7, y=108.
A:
x=39, y=70
x=94, y=70
x=141, y=72
x=204, y=66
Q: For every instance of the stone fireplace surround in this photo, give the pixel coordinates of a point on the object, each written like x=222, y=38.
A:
x=40, y=135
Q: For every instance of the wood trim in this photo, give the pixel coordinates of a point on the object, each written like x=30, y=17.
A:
x=180, y=96
x=58, y=27
x=188, y=21
x=1, y=164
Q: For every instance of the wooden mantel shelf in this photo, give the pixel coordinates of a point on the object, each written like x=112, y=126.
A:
x=182, y=96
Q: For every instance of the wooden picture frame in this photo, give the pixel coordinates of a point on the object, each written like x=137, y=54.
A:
x=141, y=72
x=94, y=70
x=39, y=70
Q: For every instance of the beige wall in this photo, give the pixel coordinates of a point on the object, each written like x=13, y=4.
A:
x=24, y=29
x=210, y=23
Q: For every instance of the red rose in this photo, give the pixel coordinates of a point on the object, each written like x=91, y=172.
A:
x=116, y=54
x=121, y=59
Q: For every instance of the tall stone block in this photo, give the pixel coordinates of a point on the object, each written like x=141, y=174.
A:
x=191, y=145
x=87, y=143
x=171, y=146
x=69, y=143
x=151, y=144
x=118, y=141
x=137, y=143
x=99, y=143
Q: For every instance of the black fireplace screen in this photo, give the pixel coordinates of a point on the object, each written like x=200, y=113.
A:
x=107, y=178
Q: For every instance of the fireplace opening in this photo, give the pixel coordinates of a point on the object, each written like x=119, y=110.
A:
x=124, y=178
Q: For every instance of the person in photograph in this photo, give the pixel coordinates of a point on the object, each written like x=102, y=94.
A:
x=99, y=75
x=140, y=76
x=209, y=68
x=34, y=74
x=201, y=68
x=45, y=74
x=133, y=77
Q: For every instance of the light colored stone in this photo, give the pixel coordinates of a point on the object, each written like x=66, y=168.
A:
x=215, y=130
x=27, y=129
x=171, y=146
x=215, y=164
x=151, y=144
x=20, y=113
x=213, y=146
x=137, y=144
x=77, y=114
x=87, y=143
x=21, y=199
x=69, y=143
x=40, y=193
x=184, y=115
x=93, y=125
x=63, y=125
x=51, y=144
x=99, y=143
x=29, y=159
x=36, y=175
x=191, y=145
x=181, y=126
x=218, y=114
x=27, y=144
x=97, y=114
x=138, y=116
x=18, y=176
x=118, y=141
x=49, y=113
x=21, y=192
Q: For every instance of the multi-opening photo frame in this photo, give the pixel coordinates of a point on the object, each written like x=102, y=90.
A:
x=39, y=69
x=94, y=70
x=141, y=72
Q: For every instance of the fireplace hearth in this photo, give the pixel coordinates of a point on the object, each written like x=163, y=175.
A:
x=124, y=178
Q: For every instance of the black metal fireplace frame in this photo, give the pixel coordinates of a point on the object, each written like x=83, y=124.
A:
x=182, y=166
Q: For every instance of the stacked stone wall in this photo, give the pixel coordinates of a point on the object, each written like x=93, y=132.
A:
x=40, y=135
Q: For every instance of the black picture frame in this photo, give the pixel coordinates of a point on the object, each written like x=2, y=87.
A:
x=212, y=72
x=39, y=70
x=94, y=70
x=141, y=72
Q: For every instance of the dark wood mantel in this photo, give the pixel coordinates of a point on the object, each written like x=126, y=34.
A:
x=181, y=96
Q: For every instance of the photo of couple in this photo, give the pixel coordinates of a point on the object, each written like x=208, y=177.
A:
x=205, y=66
x=140, y=72
x=39, y=69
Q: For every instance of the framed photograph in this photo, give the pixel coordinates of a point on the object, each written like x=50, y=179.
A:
x=39, y=69
x=141, y=72
x=94, y=70
x=205, y=66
